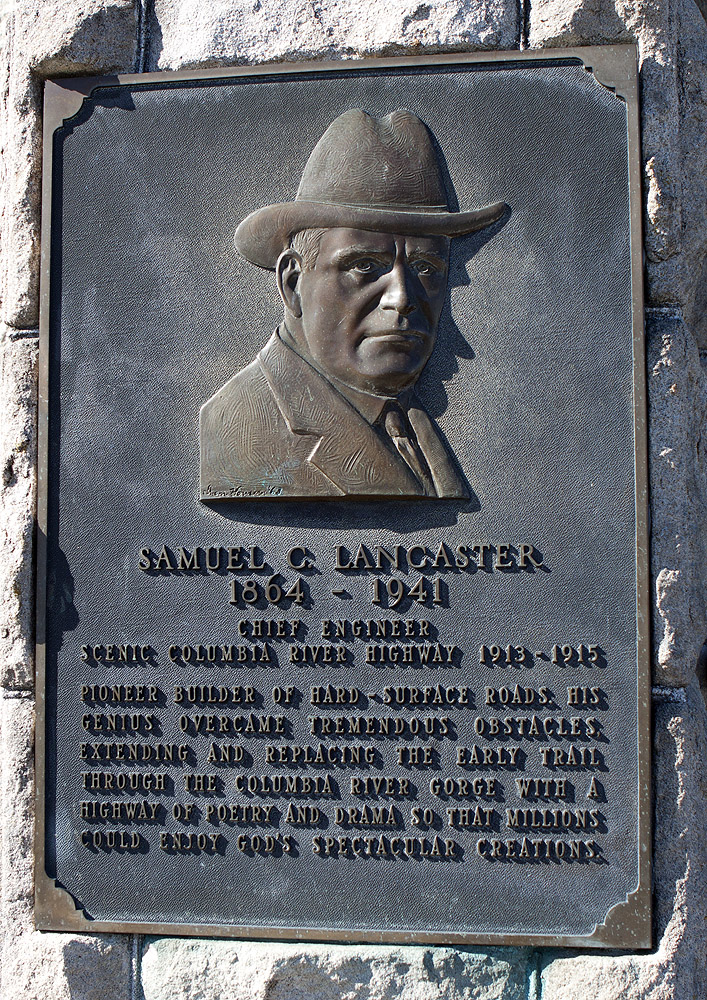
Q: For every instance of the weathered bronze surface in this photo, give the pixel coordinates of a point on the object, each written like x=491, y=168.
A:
x=376, y=718
x=362, y=260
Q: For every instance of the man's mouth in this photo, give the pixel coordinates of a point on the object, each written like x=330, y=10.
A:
x=397, y=335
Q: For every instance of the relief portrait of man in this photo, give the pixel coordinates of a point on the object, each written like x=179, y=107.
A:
x=328, y=407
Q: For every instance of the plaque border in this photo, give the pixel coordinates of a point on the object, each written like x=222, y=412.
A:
x=628, y=923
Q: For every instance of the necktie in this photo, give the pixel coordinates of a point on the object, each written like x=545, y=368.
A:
x=397, y=429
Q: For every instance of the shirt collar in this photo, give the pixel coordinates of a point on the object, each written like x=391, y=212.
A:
x=368, y=405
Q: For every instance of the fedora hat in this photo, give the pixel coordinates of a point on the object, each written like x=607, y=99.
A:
x=381, y=174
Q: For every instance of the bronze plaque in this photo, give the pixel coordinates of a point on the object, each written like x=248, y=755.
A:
x=342, y=581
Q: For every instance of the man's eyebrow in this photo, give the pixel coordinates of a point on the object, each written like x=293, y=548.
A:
x=354, y=252
x=421, y=252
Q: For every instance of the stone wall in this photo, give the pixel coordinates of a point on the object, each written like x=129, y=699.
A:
x=44, y=38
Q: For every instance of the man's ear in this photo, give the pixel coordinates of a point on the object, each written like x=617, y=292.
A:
x=289, y=270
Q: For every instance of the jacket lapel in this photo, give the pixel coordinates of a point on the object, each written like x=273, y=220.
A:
x=345, y=448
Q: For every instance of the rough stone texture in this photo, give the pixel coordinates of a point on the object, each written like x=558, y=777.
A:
x=36, y=966
x=185, y=33
x=18, y=395
x=677, y=969
x=65, y=967
x=224, y=970
x=42, y=38
x=672, y=40
x=39, y=39
x=16, y=802
x=677, y=389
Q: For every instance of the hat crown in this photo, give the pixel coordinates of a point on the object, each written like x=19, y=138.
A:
x=385, y=162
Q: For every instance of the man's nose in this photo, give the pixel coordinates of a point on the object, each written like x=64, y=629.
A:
x=398, y=294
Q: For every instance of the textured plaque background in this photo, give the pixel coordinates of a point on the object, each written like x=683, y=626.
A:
x=532, y=384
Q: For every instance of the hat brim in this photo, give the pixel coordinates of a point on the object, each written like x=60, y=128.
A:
x=265, y=233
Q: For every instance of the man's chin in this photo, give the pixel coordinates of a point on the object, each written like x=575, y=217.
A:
x=391, y=381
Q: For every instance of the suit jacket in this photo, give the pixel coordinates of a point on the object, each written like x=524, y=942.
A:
x=279, y=429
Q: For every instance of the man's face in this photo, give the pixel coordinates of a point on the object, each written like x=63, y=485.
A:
x=370, y=306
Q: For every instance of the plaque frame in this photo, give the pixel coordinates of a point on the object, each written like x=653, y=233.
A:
x=628, y=923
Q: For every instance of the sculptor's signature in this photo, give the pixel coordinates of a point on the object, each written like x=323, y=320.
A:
x=241, y=491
